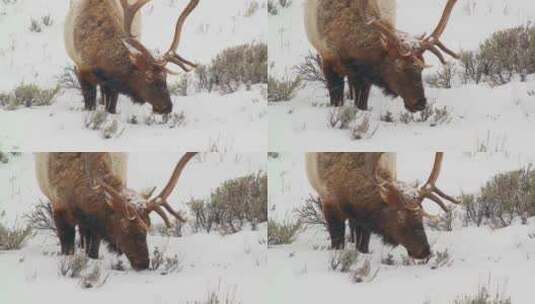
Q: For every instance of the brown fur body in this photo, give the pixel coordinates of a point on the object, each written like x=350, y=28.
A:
x=67, y=180
x=348, y=190
x=95, y=44
x=349, y=47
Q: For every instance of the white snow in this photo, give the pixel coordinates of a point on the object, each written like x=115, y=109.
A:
x=234, y=264
x=300, y=273
x=497, y=117
x=231, y=122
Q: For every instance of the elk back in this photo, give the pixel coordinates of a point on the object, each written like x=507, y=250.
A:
x=52, y=181
x=348, y=176
x=331, y=24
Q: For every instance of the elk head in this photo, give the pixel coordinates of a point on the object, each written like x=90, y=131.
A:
x=403, y=215
x=132, y=210
x=149, y=78
x=404, y=61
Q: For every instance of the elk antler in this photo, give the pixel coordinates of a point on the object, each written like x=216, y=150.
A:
x=117, y=201
x=405, y=49
x=388, y=187
x=430, y=190
x=130, y=11
x=432, y=41
x=391, y=36
x=171, y=55
x=159, y=201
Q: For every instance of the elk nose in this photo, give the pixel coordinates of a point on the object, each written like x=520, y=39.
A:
x=166, y=110
x=422, y=254
x=142, y=265
x=420, y=104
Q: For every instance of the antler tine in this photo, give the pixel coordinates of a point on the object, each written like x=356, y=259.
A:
x=118, y=200
x=439, y=202
x=441, y=26
x=149, y=194
x=130, y=12
x=433, y=40
x=447, y=50
x=384, y=29
x=177, y=215
x=437, y=53
x=164, y=194
x=177, y=62
x=445, y=196
x=159, y=201
x=109, y=189
x=435, y=172
x=431, y=191
x=390, y=35
x=171, y=55
x=162, y=214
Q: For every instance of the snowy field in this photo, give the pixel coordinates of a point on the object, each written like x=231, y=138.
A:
x=211, y=262
x=300, y=272
x=213, y=121
x=498, y=118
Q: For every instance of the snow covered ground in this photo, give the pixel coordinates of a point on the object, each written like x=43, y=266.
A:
x=499, y=118
x=299, y=272
x=236, y=265
x=230, y=122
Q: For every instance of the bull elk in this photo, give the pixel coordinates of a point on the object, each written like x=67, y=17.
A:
x=102, y=38
x=89, y=190
x=363, y=188
x=358, y=39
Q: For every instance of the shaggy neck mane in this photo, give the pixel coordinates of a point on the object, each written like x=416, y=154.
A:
x=370, y=218
x=371, y=73
x=117, y=85
x=101, y=225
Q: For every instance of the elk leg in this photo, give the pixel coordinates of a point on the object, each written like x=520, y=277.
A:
x=66, y=232
x=336, y=227
x=82, y=233
x=102, y=95
x=93, y=246
x=363, y=239
x=89, y=91
x=352, y=231
x=110, y=99
x=361, y=92
x=335, y=84
x=351, y=93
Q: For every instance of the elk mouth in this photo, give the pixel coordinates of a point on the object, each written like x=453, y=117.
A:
x=424, y=253
x=417, y=106
x=140, y=265
x=163, y=110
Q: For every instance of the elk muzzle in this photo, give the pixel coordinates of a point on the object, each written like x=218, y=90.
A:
x=166, y=109
x=140, y=265
x=421, y=253
x=417, y=106
x=138, y=260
